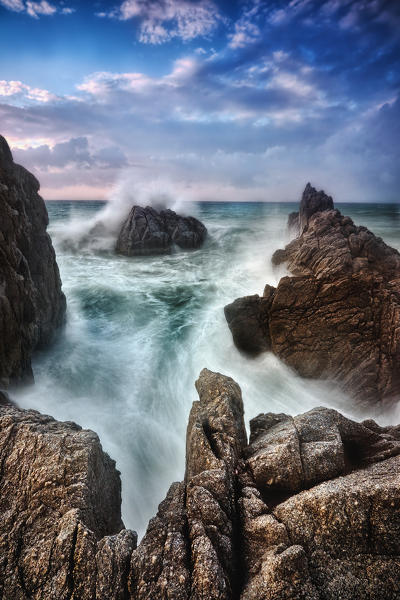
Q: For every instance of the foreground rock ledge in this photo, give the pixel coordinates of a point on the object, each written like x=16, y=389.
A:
x=32, y=305
x=308, y=509
x=148, y=231
x=338, y=315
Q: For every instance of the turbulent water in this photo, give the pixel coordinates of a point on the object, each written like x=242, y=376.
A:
x=139, y=331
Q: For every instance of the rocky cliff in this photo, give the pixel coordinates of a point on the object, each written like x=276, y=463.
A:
x=309, y=508
x=148, y=231
x=338, y=315
x=32, y=305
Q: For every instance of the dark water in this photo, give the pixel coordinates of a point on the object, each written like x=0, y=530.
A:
x=140, y=330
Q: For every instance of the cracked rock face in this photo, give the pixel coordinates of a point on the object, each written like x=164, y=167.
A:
x=308, y=509
x=338, y=315
x=148, y=231
x=60, y=495
x=32, y=305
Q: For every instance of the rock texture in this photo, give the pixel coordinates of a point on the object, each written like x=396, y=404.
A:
x=338, y=315
x=308, y=509
x=148, y=231
x=32, y=305
x=59, y=495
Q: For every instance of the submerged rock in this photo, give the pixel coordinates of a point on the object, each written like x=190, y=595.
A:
x=32, y=305
x=148, y=231
x=309, y=508
x=338, y=316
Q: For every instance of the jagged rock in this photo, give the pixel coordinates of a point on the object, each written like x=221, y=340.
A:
x=338, y=316
x=310, y=509
x=336, y=539
x=148, y=231
x=60, y=495
x=311, y=203
x=32, y=305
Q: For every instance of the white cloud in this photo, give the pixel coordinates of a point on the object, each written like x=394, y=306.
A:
x=35, y=9
x=163, y=20
x=15, y=5
x=245, y=33
x=19, y=90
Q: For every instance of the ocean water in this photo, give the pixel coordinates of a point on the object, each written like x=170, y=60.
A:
x=139, y=331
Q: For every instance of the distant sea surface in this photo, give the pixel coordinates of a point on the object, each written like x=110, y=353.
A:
x=140, y=330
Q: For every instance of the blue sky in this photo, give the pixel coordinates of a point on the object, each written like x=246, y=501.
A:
x=243, y=100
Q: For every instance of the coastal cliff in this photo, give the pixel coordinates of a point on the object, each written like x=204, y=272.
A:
x=309, y=508
x=338, y=315
x=32, y=305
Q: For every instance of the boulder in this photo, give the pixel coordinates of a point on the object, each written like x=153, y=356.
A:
x=32, y=305
x=148, y=231
x=338, y=315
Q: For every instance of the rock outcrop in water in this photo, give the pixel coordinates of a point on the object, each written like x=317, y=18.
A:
x=308, y=509
x=338, y=315
x=32, y=305
x=148, y=231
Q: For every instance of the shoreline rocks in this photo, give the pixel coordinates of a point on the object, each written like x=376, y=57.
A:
x=148, y=231
x=32, y=305
x=338, y=316
x=308, y=508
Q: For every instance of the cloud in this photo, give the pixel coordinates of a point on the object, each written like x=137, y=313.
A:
x=73, y=152
x=247, y=29
x=19, y=91
x=253, y=120
x=15, y=5
x=163, y=20
x=35, y=9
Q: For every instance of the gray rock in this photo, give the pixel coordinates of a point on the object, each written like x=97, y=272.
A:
x=148, y=231
x=32, y=305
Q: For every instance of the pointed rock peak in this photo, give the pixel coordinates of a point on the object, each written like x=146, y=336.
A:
x=313, y=201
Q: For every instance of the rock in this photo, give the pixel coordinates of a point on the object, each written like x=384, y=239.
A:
x=338, y=315
x=311, y=203
x=245, y=317
x=60, y=495
x=148, y=231
x=32, y=305
x=309, y=508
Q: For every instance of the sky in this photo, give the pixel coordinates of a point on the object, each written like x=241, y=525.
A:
x=214, y=100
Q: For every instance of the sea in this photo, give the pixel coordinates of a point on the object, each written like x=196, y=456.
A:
x=139, y=331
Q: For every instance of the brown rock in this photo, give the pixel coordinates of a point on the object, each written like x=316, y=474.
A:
x=32, y=305
x=338, y=316
x=60, y=495
x=309, y=509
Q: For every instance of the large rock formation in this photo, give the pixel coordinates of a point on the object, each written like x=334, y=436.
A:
x=32, y=305
x=148, y=231
x=338, y=315
x=308, y=509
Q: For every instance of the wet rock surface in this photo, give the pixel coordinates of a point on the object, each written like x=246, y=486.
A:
x=338, y=315
x=32, y=305
x=148, y=231
x=309, y=508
